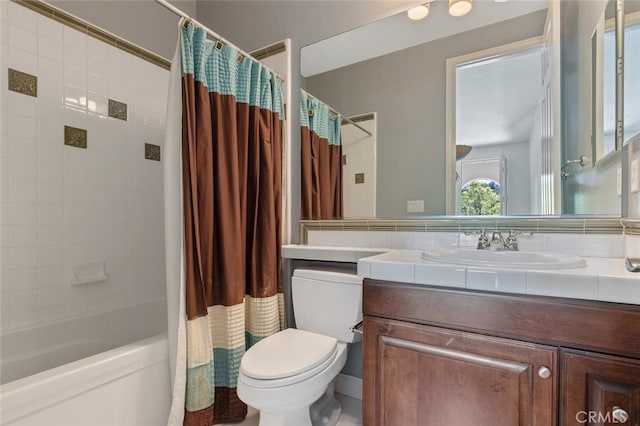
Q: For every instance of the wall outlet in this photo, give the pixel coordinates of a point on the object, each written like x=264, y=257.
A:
x=619, y=182
x=635, y=175
x=415, y=206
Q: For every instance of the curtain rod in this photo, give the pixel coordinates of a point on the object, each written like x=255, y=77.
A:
x=347, y=119
x=175, y=10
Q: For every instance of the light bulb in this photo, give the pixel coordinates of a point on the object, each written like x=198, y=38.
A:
x=418, y=12
x=459, y=7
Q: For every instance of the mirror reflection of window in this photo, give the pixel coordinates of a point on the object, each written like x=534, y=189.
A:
x=496, y=111
x=632, y=72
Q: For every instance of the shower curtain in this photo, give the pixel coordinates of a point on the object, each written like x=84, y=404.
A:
x=321, y=160
x=223, y=222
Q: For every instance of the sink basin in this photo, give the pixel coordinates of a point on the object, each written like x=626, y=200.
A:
x=504, y=259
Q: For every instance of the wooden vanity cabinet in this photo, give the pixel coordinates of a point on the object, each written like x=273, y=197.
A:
x=599, y=389
x=435, y=356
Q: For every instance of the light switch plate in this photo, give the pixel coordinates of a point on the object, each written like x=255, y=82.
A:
x=635, y=175
x=415, y=206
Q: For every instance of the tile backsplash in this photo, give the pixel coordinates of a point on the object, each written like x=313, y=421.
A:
x=590, y=245
x=61, y=205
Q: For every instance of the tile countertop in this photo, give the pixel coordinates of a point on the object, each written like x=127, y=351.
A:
x=329, y=253
x=603, y=279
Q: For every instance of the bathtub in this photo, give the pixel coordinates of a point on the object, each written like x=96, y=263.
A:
x=107, y=369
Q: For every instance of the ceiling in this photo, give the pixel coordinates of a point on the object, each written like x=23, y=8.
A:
x=397, y=32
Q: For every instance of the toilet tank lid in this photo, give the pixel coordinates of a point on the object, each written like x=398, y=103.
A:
x=330, y=275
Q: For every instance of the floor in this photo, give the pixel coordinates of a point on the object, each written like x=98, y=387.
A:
x=351, y=413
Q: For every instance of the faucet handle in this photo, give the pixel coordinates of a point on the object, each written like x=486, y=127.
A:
x=483, y=240
x=511, y=243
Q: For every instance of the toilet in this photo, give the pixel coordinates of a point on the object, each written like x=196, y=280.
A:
x=289, y=376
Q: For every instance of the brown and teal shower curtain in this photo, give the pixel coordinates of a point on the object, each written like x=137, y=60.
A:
x=232, y=179
x=321, y=160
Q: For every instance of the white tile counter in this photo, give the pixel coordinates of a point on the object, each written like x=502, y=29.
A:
x=603, y=279
x=328, y=253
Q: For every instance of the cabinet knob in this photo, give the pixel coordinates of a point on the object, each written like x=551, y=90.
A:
x=544, y=372
x=619, y=415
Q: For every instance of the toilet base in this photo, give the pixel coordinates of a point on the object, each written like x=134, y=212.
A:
x=326, y=410
x=299, y=417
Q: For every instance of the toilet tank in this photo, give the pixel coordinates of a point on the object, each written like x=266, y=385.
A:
x=327, y=302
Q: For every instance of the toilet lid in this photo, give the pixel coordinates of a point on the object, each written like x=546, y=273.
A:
x=287, y=353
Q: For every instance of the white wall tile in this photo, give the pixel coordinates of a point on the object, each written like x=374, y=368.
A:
x=21, y=148
x=23, y=39
x=62, y=205
x=21, y=279
x=50, y=29
x=20, y=104
x=22, y=213
x=22, y=60
x=561, y=243
x=74, y=39
x=22, y=257
x=50, y=49
x=632, y=245
x=50, y=256
x=21, y=16
x=51, y=276
x=50, y=235
x=22, y=235
x=23, y=301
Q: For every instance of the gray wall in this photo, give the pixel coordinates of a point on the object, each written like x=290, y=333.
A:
x=142, y=22
x=407, y=90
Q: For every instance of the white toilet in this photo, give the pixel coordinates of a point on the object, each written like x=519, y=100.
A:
x=289, y=376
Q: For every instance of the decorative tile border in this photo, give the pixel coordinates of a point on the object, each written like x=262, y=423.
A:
x=631, y=226
x=22, y=82
x=75, y=137
x=574, y=225
x=152, y=152
x=117, y=110
x=85, y=27
x=268, y=51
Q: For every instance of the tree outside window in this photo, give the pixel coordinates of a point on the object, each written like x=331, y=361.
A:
x=480, y=197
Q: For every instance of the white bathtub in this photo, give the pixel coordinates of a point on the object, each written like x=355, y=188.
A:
x=110, y=371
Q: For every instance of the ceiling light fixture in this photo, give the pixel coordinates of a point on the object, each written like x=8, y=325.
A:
x=419, y=12
x=459, y=7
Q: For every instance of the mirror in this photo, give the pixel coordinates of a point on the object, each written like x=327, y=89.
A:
x=396, y=71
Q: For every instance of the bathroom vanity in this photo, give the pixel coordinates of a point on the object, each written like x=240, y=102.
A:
x=438, y=355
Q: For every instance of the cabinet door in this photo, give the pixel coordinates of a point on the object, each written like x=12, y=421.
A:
x=599, y=389
x=427, y=376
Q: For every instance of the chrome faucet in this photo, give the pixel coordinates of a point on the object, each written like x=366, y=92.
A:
x=497, y=242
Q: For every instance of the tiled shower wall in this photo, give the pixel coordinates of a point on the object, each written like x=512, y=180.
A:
x=63, y=205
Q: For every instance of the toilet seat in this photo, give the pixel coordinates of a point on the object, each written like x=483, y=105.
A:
x=287, y=357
